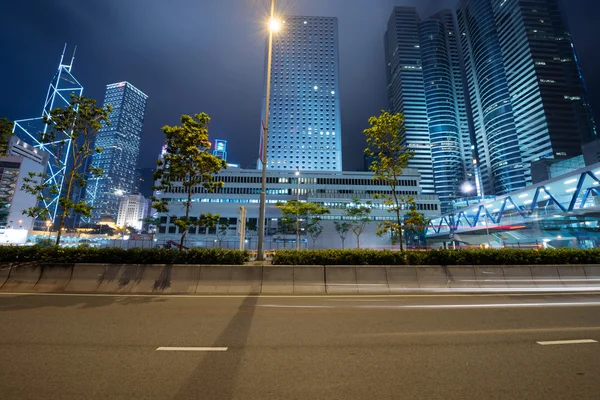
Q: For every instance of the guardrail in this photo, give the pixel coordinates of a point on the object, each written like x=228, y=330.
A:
x=267, y=279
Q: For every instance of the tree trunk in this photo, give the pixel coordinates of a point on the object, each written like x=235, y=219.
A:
x=343, y=246
x=187, y=213
x=358, y=241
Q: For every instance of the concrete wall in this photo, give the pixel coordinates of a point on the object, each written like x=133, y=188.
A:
x=343, y=279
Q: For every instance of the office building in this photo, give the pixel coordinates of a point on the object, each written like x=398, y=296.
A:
x=305, y=123
x=548, y=95
x=63, y=85
x=406, y=92
x=527, y=93
x=120, y=143
x=500, y=162
x=450, y=138
x=133, y=208
x=334, y=190
x=21, y=160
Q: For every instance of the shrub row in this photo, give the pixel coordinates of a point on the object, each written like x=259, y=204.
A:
x=114, y=255
x=438, y=257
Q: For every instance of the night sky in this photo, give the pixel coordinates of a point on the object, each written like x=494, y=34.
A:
x=190, y=56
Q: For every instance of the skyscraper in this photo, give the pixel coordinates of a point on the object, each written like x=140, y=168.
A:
x=120, y=143
x=547, y=91
x=406, y=93
x=62, y=86
x=446, y=107
x=526, y=90
x=500, y=160
x=304, y=121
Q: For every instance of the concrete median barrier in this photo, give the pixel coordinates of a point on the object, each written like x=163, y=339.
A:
x=278, y=280
x=517, y=276
x=432, y=279
x=181, y=278
x=86, y=278
x=341, y=280
x=462, y=279
x=309, y=280
x=120, y=278
x=402, y=279
x=155, y=279
x=54, y=278
x=246, y=280
x=573, y=276
x=546, y=277
x=372, y=280
x=592, y=274
x=4, y=272
x=214, y=279
x=22, y=278
x=490, y=278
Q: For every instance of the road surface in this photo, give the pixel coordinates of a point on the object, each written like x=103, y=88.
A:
x=259, y=348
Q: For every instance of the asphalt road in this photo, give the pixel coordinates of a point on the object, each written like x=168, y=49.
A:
x=414, y=347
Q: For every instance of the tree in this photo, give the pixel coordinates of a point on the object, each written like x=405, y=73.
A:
x=6, y=131
x=342, y=229
x=314, y=229
x=72, y=133
x=251, y=231
x=385, y=140
x=303, y=215
x=222, y=230
x=187, y=164
x=414, y=221
x=361, y=215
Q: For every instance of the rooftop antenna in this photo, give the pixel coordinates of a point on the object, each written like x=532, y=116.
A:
x=62, y=56
x=72, y=59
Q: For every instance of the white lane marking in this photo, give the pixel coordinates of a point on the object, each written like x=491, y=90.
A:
x=551, y=342
x=524, y=331
x=438, y=306
x=500, y=293
x=191, y=349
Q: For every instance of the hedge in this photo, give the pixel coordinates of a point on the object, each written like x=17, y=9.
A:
x=115, y=255
x=438, y=257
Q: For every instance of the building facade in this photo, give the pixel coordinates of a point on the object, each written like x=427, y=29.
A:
x=450, y=137
x=334, y=190
x=304, y=120
x=500, y=162
x=62, y=87
x=120, y=143
x=133, y=208
x=22, y=159
x=406, y=92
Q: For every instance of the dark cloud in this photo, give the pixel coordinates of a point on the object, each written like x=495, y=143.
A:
x=193, y=55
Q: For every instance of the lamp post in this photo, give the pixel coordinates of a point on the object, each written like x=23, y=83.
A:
x=48, y=224
x=273, y=27
x=478, y=176
x=297, y=210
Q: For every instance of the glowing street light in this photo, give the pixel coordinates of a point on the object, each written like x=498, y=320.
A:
x=274, y=26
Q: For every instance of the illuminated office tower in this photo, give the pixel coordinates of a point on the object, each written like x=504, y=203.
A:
x=406, y=93
x=449, y=132
x=62, y=86
x=304, y=122
x=120, y=143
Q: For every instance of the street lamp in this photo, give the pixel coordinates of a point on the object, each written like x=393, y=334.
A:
x=20, y=224
x=48, y=224
x=274, y=26
x=297, y=210
x=478, y=176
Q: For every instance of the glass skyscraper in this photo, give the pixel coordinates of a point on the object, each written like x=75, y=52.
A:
x=526, y=91
x=449, y=132
x=304, y=121
x=406, y=93
x=120, y=143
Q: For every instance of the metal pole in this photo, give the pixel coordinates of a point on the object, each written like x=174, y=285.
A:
x=263, y=193
x=487, y=231
x=297, y=209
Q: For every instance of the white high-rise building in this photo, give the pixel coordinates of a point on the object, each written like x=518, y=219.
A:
x=132, y=210
x=304, y=119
